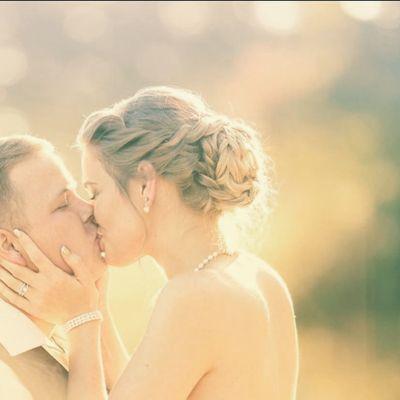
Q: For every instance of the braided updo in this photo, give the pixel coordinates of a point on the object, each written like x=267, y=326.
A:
x=217, y=163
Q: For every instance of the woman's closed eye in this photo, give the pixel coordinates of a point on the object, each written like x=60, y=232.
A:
x=91, y=190
x=92, y=195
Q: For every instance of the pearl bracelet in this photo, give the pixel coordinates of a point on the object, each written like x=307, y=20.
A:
x=82, y=319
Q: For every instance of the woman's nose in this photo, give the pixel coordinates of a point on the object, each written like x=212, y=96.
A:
x=85, y=210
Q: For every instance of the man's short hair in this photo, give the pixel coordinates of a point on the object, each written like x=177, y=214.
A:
x=13, y=150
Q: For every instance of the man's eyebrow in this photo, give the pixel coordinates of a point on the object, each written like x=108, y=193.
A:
x=61, y=192
x=69, y=187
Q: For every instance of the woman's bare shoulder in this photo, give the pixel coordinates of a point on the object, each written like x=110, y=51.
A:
x=207, y=294
x=273, y=287
x=266, y=272
x=210, y=293
x=207, y=305
x=196, y=288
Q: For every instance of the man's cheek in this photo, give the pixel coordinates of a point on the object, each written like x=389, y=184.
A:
x=51, y=247
x=44, y=241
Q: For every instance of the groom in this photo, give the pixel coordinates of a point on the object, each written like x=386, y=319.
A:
x=37, y=195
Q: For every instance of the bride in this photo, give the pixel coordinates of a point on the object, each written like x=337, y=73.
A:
x=162, y=168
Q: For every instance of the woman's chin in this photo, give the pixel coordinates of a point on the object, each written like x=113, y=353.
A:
x=120, y=262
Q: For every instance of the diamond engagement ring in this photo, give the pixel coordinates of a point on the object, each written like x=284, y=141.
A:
x=23, y=289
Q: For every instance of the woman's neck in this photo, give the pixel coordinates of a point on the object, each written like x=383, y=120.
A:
x=187, y=246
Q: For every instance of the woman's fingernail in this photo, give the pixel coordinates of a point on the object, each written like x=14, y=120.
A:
x=65, y=250
x=17, y=232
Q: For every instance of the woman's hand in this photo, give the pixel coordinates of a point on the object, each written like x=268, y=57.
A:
x=52, y=295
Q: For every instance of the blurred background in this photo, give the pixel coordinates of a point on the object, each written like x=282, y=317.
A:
x=320, y=80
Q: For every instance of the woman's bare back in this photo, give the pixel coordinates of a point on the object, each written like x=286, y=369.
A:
x=259, y=354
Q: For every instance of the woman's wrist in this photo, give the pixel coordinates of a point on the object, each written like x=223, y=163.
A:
x=86, y=330
x=104, y=307
x=72, y=315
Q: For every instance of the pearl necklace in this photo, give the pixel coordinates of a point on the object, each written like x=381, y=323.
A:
x=211, y=257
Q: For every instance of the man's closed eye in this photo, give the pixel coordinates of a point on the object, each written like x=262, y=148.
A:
x=64, y=205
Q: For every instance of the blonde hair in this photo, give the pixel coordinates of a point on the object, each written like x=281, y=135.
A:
x=216, y=162
x=13, y=150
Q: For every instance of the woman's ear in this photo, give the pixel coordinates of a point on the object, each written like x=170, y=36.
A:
x=147, y=176
x=9, y=248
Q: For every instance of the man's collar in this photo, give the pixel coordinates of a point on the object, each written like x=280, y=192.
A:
x=18, y=333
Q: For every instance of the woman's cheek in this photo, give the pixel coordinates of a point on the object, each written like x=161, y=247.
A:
x=129, y=246
x=100, y=214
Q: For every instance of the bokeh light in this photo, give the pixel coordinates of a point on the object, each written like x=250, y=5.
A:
x=184, y=18
x=280, y=17
x=362, y=10
x=389, y=16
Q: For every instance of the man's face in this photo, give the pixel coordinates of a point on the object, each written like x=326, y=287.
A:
x=54, y=213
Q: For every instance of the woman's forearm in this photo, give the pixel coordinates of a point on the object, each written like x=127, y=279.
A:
x=86, y=376
x=115, y=355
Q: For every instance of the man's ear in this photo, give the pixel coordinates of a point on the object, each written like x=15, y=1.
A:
x=9, y=248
